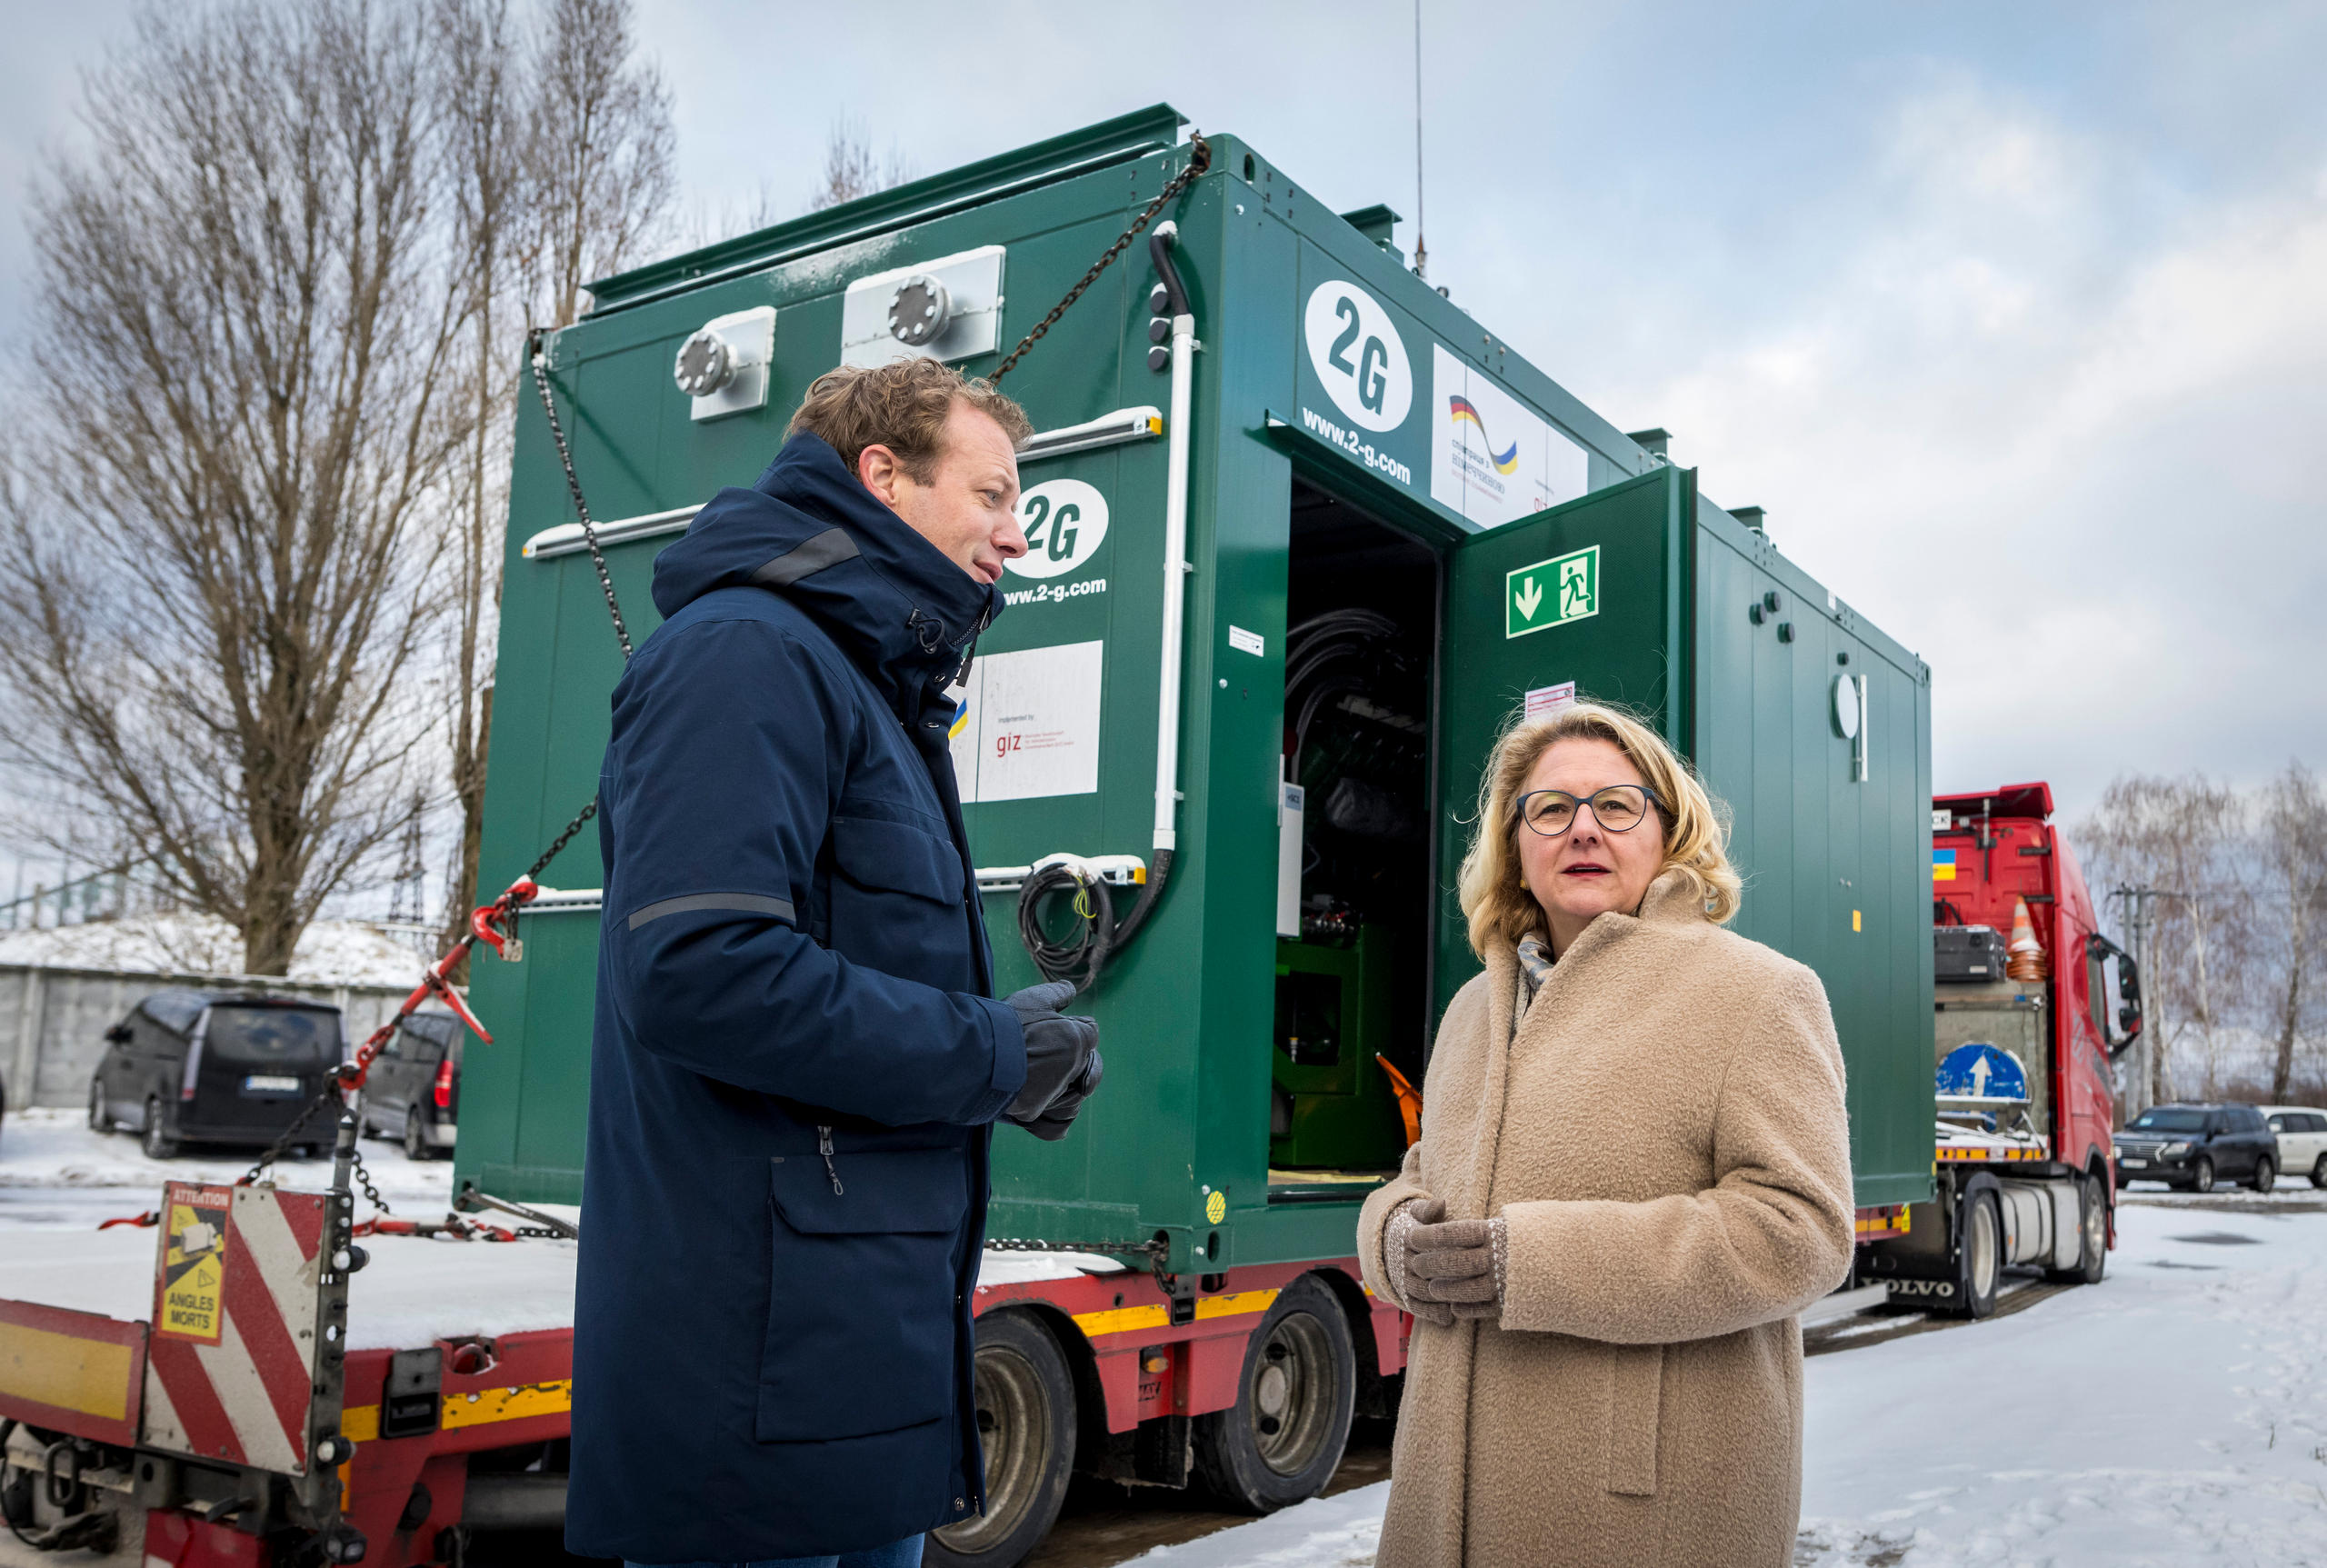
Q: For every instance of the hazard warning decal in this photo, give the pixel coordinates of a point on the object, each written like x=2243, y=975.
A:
x=230, y=1371
x=194, y=1263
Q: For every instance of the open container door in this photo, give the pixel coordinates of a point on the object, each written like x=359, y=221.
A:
x=1582, y=601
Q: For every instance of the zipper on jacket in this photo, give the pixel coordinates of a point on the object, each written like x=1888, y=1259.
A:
x=824, y=1147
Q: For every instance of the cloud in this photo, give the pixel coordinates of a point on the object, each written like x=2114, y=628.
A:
x=2058, y=432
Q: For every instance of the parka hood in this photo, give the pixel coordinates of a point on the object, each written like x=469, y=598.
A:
x=899, y=609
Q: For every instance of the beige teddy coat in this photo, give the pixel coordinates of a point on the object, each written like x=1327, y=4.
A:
x=1666, y=1141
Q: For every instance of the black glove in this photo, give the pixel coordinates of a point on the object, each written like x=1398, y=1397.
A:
x=1062, y=1063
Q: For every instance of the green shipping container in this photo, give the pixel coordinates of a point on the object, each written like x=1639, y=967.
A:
x=1446, y=532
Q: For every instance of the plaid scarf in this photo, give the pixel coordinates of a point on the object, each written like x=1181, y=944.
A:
x=1535, y=962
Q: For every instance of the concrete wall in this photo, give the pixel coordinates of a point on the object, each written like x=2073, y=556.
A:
x=53, y=1021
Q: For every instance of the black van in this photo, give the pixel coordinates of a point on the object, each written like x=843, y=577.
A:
x=414, y=1090
x=215, y=1068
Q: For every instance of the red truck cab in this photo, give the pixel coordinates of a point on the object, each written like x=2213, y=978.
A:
x=2024, y=1092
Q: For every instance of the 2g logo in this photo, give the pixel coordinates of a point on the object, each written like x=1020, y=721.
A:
x=1063, y=520
x=1358, y=355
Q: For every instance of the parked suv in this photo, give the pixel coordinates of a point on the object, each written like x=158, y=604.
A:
x=415, y=1086
x=2303, y=1140
x=214, y=1067
x=2195, y=1146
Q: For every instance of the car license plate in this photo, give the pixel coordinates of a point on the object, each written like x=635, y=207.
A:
x=268, y=1083
x=2131, y=1162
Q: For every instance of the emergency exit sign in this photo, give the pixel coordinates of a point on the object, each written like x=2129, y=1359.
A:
x=1552, y=592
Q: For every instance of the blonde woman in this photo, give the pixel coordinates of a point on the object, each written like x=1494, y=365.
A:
x=1633, y=1173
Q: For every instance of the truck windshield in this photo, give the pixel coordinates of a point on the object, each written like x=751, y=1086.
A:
x=273, y=1036
x=2168, y=1121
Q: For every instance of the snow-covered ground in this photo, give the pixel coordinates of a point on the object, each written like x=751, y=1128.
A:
x=2176, y=1414
x=342, y=951
x=56, y=1173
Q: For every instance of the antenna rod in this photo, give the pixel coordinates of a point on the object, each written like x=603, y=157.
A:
x=1422, y=249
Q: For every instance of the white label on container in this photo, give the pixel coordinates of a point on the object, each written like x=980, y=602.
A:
x=1544, y=701
x=1065, y=520
x=1028, y=724
x=1246, y=641
x=1493, y=458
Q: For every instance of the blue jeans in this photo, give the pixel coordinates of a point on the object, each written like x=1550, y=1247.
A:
x=904, y=1554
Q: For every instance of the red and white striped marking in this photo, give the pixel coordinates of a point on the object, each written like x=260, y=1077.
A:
x=244, y=1399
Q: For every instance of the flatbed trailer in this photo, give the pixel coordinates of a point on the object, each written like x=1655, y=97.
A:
x=455, y=1391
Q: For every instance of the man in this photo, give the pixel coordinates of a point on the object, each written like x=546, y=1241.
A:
x=796, y=1061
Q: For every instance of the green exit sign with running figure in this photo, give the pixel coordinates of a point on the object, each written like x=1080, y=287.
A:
x=1552, y=592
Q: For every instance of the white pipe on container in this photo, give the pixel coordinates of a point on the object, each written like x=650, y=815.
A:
x=1175, y=575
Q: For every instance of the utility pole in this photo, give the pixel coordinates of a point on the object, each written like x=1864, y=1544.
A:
x=2140, y=922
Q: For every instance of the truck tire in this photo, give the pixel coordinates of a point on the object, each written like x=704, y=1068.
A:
x=1027, y=1422
x=2202, y=1176
x=2093, y=1228
x=157, y=1138
x=1982, y=1249
x=2266, y=1174
x=1283, y=1438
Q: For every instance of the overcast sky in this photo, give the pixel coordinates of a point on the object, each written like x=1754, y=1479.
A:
x=2013, y=316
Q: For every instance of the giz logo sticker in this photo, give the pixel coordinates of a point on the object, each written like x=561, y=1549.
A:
x=1064, y=521
x=1359, y=357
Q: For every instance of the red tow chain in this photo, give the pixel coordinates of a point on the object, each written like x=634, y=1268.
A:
x=488, y=924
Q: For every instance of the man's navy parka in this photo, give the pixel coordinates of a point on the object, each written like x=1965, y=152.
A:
x=773, y=1346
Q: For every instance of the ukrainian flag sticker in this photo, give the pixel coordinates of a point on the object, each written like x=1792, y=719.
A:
x=1943, y=865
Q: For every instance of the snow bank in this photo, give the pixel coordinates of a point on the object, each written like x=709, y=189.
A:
x=340, y=951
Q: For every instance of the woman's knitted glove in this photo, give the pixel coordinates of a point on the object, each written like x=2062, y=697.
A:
x=1456, y=1263
x=1397, y=1259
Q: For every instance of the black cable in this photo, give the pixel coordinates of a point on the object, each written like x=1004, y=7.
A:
x=1081, y=959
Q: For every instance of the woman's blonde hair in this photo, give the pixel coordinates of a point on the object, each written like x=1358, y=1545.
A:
x=1494, y=898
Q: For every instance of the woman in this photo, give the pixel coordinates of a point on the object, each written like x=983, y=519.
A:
x=1633, y=1173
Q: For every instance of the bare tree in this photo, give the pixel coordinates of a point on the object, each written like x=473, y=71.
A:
x=852, y=169
x=560, y=150
x=495, y=225
x=2183, y=837
x=601, y=152
x=2291, y=846
x=242, y=327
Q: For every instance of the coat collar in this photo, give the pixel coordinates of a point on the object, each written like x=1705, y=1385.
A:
x=903, y=612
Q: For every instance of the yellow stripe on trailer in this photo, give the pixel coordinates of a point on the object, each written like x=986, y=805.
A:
x=1124, y=1320
x=1989, y=1156
x=89, y=1377
x=508, y=1404
x=361, y=1422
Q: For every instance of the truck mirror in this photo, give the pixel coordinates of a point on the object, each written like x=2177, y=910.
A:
x=2129, y=995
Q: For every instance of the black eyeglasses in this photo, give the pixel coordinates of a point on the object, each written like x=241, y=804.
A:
x=1617, y=808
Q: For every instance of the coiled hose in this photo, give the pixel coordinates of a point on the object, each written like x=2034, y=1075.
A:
x=1097, y=932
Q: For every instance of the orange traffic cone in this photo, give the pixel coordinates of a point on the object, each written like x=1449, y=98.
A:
x=2025, y=957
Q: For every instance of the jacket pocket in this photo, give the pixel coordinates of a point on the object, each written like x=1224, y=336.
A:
x=892, y=856
x=862, y=1295
x=896, y=903
x=1635, y=1395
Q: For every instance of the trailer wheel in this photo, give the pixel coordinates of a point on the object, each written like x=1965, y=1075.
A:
x=1283, y=1438
x=1983, y=1262
x=158, y=1141
x=2093, y=1232
x=1026, y=1423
